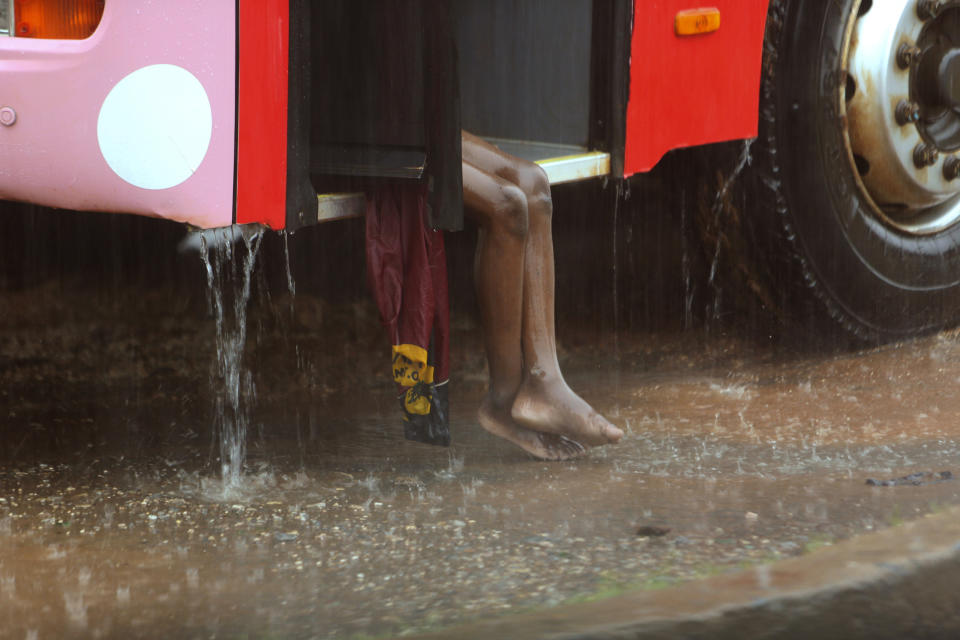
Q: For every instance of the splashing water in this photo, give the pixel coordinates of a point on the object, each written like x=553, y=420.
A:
x=685, y=265
x=291, y=285
x=232, y=384
x=622, y=195
x=744, y=160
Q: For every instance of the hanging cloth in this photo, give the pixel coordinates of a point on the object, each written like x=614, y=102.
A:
x=407, y=273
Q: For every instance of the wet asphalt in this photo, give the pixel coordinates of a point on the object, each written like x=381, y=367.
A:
x=740, y=450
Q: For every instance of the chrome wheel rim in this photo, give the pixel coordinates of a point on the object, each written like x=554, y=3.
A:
x=900, y=59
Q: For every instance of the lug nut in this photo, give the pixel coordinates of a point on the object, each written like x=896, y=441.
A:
x=925, y=155
x=928, y=9
x=907, y=54
x=951, y=168
x=907, y=112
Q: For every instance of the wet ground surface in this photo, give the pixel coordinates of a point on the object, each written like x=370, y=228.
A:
x=113, y=522
x=739, y=451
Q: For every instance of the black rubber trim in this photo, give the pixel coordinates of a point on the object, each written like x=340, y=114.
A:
x=441, y=112
x=610, y=79
x=302, y=204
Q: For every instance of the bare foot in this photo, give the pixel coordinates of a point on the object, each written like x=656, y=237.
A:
x=550, y=406
x=546, y=446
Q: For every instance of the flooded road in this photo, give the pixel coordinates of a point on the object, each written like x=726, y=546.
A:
x=114, y=522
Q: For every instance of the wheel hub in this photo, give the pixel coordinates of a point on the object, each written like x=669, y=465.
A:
x=902, y=102
x=935, y=81
x=938, y=85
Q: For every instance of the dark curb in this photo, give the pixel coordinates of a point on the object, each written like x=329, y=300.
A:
x=903, y=582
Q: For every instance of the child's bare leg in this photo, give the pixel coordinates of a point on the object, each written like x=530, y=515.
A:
x=543, y=401
x=499, y=208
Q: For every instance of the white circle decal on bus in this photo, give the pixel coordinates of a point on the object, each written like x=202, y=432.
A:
x=155, y=126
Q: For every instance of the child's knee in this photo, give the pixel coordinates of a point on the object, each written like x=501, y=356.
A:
x=536, y=186
x=510, y=212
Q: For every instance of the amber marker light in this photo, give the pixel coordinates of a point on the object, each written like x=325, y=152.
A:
x=694, y=22
x=56, y=19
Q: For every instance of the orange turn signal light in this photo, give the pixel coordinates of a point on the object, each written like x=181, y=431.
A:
x=57, y=19
x=692, y=22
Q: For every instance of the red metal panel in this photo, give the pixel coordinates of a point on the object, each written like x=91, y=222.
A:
x=690, y=90
x=262, y=112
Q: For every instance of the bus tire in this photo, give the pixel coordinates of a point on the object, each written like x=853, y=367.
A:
x=821, y=244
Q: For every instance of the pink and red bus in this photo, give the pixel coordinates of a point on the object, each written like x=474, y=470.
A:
x=220, y=112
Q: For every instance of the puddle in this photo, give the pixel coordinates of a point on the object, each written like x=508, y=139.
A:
x=109, y=523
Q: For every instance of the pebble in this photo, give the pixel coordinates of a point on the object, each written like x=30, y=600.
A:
x=652, y=531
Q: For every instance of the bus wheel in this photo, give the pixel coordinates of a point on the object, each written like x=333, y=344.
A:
x=855, y=177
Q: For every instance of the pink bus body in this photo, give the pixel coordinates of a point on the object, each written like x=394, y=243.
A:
x=52, y=153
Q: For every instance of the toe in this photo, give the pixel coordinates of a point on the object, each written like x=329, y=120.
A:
x=604, y=432
x=612, y=433
x=551, y=447
x=572, y=448
x=560, y=447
